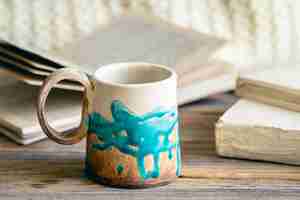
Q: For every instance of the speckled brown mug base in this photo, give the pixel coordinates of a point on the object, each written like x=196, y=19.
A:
x=110, y=183
x=101, y=166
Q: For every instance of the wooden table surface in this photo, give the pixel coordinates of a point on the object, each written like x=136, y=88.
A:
x=46, y=170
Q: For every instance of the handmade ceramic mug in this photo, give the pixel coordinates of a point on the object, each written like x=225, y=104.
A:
x=130, y=118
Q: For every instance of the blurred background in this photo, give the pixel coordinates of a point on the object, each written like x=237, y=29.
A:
x=261, y=32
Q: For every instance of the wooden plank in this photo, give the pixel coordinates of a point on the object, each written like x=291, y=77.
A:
x=204, y=174
x=47, y=170
x=207, y=194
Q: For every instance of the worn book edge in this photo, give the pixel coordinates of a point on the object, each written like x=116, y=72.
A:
x=270, y=143
x=264, y=92
x=259, y=137
x=23, y=141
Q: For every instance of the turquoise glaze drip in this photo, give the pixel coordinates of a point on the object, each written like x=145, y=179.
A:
x=137, y=136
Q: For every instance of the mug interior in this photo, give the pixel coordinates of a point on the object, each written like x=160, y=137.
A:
x=132, y=73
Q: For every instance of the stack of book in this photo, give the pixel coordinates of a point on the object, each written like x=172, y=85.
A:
x=125, y=39
x=18, y=119
x=264, y=124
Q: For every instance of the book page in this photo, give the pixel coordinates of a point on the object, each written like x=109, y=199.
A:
x=141, y=39
x=250, y=113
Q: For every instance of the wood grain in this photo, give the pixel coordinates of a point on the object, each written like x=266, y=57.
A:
x=47, y=170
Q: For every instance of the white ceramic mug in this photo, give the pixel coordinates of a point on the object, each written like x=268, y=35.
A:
x=130, y=119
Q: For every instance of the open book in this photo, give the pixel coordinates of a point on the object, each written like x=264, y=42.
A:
x=126, y=39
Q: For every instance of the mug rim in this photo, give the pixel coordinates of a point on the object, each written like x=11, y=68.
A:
x=172, y=75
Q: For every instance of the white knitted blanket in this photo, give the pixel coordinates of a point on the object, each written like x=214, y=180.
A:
x=263, y=32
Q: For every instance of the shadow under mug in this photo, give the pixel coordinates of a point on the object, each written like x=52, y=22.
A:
x=130, y=119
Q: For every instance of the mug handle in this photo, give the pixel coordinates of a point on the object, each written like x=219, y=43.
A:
x=73, y=136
